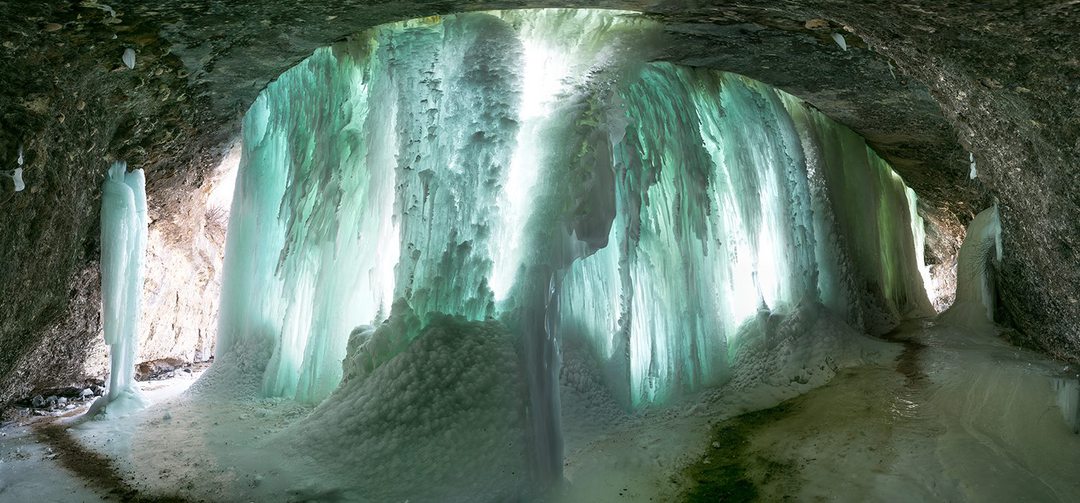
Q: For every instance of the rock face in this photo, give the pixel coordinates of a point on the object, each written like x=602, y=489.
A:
x=180, y=299
x=924, y=82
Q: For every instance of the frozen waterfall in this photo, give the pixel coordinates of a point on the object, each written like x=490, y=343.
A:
x=534, y=171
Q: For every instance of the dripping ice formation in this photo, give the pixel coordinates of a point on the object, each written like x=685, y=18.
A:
x=531, y=178
x=123, y=248
x=980, y=251
x=16, y=178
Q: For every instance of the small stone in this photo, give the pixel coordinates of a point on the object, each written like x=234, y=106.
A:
x=62, y=401
x=37, y=402
x=51, y=27
x=816, y=24
x=87, y=393
x=98, y=390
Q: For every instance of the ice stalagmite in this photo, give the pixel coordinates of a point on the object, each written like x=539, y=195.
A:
x=123, y=246
x=981, y=250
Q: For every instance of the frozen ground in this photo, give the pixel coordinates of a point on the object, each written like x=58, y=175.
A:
x=936, y=414
x=32, y=469
x=957, y=417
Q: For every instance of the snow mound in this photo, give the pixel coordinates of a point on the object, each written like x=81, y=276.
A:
x=442, y=420
x=781, y=356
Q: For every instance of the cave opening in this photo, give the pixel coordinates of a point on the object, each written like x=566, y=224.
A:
x=524, y=256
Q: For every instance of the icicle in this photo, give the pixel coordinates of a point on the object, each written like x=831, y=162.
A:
x=129, y=58
x=93, y=4
x=16, y=174
x=840, y=41
x=17, y=177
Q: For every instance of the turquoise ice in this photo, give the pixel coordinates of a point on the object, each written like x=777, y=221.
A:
x=536, y=170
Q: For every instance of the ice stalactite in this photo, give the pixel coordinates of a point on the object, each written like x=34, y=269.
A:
x=16, y=174
x=123, y=247
x=979, y=254
x=531, y=174
x=918, y=232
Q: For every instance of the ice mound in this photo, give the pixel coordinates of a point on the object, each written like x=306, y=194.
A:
x=442, y=420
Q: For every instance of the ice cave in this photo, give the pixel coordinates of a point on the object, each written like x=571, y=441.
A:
x=539, y=251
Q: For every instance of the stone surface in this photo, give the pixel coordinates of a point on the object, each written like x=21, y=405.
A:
x=924, y=81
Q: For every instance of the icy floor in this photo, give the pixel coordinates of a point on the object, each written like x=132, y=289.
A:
x=965, y=418
x=948, y=416
x=30, y=469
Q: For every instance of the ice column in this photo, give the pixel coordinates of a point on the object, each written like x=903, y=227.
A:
x=123, y=247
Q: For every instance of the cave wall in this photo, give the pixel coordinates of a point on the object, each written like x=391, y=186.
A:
x=924, y=82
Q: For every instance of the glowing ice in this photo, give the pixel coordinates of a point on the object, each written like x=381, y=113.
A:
x=129, y=58
x=531, y=170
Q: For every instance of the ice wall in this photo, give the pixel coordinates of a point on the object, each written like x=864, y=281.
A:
x=349, y=157
x=533, y=168
x=760, y=205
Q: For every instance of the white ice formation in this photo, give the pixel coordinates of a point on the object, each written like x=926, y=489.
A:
x=123, y=247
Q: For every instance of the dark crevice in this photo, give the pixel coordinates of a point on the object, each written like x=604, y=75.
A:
x=729, y=471
x=907, y=362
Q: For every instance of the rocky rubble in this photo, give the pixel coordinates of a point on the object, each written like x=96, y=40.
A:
x=55, y=401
